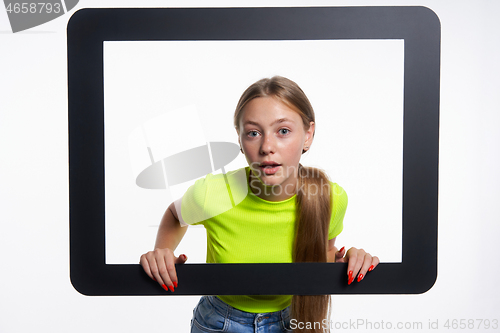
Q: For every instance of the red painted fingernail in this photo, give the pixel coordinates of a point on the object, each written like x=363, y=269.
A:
x=164, y=287
x=171, y=288
x=371, y=268
x=350, y=278
x=154, y=279
x=175, y=284
x=341, y=249
x=360, y=277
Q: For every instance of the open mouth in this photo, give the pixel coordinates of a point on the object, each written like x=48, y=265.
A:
x=270, y=168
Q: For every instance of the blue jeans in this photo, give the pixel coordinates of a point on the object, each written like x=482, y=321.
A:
x=213, y=315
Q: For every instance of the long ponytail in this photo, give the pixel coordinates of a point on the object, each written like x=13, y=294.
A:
x=311, y=241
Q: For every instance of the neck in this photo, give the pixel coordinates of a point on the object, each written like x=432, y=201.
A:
x=272, y=193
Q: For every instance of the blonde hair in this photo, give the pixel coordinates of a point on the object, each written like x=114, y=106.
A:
x=313, y=210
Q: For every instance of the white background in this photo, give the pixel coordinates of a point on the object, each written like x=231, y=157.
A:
x=355, y=86
x=36, y=293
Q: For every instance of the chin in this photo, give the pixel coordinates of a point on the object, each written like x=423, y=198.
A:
x=271, y=182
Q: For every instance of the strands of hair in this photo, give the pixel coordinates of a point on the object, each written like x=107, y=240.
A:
x=311, y=239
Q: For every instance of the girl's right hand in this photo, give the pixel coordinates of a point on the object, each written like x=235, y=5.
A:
x=160, y=266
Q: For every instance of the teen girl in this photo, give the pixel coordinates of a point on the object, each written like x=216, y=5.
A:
x=279, y=218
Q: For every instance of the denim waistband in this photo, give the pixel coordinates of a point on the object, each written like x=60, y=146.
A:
x=243, y=316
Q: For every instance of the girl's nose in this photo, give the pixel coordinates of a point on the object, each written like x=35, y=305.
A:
x=268, y=145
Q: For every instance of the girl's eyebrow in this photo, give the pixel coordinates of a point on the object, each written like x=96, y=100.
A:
x=281, y=120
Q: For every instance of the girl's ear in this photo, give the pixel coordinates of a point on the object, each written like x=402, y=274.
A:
x=310, y=134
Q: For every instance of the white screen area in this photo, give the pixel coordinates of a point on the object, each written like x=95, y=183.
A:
x=175, y=95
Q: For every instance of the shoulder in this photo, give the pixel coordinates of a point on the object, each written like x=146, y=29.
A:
x=212, y=195
x=338, y=196
x=235, y=180
x=337, y=190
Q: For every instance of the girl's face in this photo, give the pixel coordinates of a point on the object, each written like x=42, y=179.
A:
x=272, y=133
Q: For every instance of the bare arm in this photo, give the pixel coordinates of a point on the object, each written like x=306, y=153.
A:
x=331, y=250
x=170, y=232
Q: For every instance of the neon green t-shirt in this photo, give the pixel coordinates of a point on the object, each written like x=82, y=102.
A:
x=243, y=228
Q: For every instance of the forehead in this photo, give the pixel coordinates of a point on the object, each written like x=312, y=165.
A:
x=266, y=110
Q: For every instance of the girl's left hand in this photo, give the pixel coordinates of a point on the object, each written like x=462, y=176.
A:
x=358, y=261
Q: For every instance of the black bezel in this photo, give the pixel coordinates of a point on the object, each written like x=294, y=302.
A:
x=87, y=29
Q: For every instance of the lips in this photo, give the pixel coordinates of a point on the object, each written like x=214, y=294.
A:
x=270, y=167
x=269, y=164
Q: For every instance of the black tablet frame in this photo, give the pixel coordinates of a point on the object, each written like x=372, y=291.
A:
x=420, y=29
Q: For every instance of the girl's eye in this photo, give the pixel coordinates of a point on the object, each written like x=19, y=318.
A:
x=286, y=131
x=250, y=133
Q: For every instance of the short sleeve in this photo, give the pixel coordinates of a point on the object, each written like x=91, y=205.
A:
x=339, y=207
x=211, y=196
x=190, y=207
